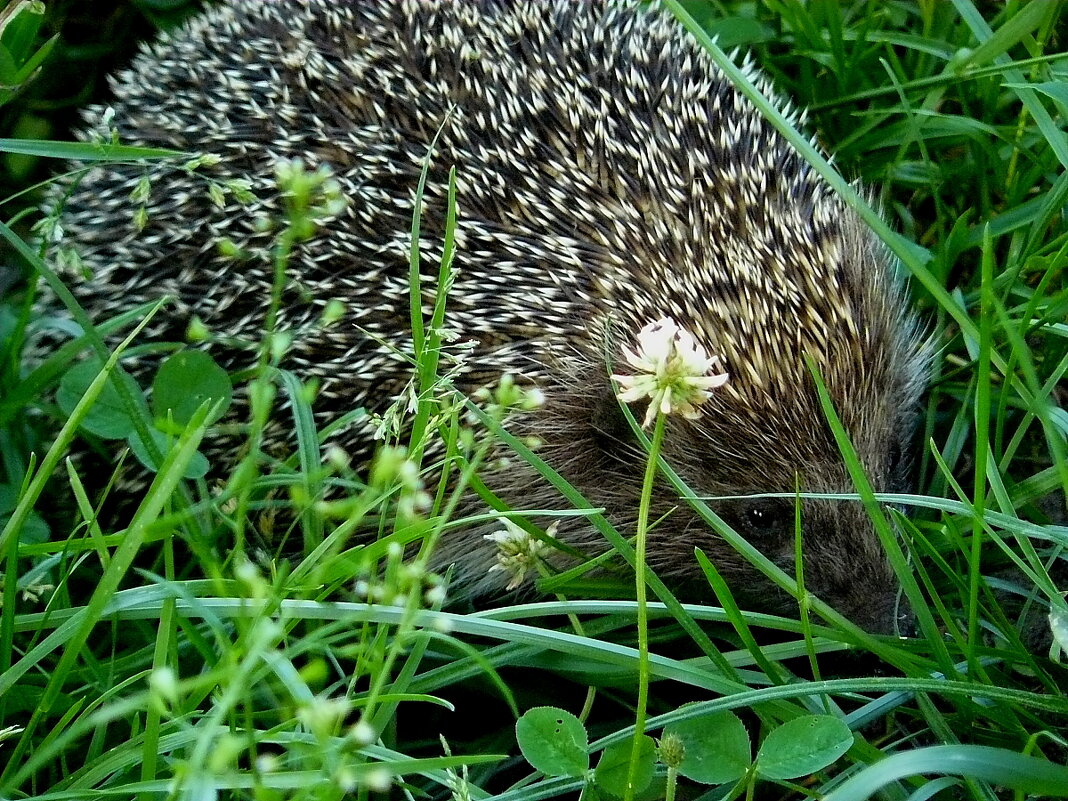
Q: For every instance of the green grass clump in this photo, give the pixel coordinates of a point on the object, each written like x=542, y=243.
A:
x=162, y=652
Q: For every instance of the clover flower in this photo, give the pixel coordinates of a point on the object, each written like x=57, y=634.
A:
x=672, y=749
x=517, y=551
x=673, y=371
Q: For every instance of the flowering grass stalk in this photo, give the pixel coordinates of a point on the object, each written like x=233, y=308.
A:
x=674, y=374
x=643, y=611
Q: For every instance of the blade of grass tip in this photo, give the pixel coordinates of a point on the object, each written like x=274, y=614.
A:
x=416, y=652
x=928, y=558
x=832, y=24
x=428, y=365
x=415, y=292
x=311, y=459
x=1029, y=572
x=162, y=488
x=913, y=256
x=88, y=513
x=428, y=357
x=913, y=128
x=87, y=151
x=1041, y=403
x=941, y=80
x=1050, y=207
x=1027, y=18
x=61, y=734
x=995, y=765
x=480, y=666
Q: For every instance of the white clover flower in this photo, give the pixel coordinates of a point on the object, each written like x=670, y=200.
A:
x=517, y=551
x=672, y=371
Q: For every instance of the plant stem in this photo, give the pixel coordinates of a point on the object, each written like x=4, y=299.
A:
x=672, y=780
x=643, y=612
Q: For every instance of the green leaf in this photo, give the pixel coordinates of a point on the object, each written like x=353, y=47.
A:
x=1058, y=623
x=18, y=32
x=738, y=31
x=33, y=63
x=1057, y=90
x=716, y=747
x=185, y=381
x=554, y=741
x=25, y=124
x=614, y=764
x=999, y=766
x=85, y=151
x=34, y=530
x=198, y=464
x=1026, y=19
x=108, y=417
x=802, y=746
x=8, y=67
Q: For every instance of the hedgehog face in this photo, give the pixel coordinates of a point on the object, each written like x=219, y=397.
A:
x=844, y=563
x=843, y=559
x=588, y=439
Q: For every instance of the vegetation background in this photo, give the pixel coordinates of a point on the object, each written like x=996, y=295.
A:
x=146, y=662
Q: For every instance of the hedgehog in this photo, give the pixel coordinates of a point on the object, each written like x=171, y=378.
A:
x=608, y=175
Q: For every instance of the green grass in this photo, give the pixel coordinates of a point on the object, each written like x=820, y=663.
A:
x=170, y=659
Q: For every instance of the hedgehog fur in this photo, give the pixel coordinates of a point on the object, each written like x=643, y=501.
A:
x=608, y=175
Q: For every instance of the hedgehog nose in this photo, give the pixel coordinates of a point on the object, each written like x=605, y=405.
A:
x=899, y=619
x=906, y=623
x=891, y=615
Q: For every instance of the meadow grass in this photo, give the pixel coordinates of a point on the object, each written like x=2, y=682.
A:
x=168, y=655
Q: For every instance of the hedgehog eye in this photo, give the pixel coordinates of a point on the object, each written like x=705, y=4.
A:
x=764, y=518
x=609, y=428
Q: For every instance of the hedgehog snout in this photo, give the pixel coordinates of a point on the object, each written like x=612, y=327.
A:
x=883, y=611
x=846, y=566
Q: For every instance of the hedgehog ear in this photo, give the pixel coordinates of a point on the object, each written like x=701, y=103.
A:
x=609, y=428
